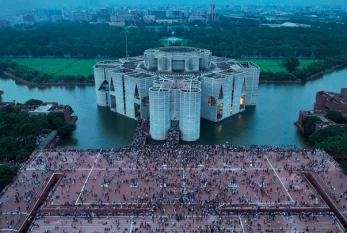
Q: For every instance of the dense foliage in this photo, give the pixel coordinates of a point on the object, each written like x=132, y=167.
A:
x=317, y=137
x=33, y=102
x=229, y=37
x=74, y=39
x=335, y=116
x=19, y=131
x=332, y=139
x=291, y=63
x=309, y=124
x=305, y=73
x=7, y=173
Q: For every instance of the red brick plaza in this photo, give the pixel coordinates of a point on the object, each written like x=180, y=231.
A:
x=177, y=188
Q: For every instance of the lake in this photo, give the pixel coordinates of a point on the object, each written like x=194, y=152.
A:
x=269, y=123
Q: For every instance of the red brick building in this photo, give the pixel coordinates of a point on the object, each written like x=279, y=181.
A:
x=46, y=108
x=331, y=100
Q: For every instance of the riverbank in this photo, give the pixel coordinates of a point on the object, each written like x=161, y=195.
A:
x=60, y=83
x=298, y=81
x=319, y=74
x=303, y=75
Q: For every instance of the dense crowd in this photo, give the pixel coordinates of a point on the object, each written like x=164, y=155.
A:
x=173, y=180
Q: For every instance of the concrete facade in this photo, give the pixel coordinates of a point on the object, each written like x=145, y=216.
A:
x=180, y=84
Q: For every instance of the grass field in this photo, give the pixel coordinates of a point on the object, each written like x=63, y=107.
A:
x=74, y=66
x=60, y=66
x=275, y=65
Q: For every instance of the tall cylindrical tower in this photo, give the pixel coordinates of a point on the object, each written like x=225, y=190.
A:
x=159, y=112
x=100, y=79
x=190, y=109
x=205, y=59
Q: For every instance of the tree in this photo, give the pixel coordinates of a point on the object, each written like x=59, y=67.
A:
x=335, y=116
x=336, y=146
x=330, y=131
x=291, y=63
x=309, y=125
x=33, y=102
x=7, y=173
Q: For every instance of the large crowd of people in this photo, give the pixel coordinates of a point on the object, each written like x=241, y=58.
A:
x=174, y=180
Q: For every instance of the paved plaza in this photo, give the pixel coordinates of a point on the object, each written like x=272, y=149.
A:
x=177, y=188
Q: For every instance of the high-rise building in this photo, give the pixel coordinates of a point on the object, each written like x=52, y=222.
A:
x=176, y=85
x=211, y=13
x=211, y=9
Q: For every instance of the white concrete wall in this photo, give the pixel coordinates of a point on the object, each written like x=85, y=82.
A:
x=190, y=110
x=159, y=112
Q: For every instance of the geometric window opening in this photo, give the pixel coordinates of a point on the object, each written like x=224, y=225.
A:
x=220, y=96
x=244, y=85
x=104, y=86
x=124, y=99
x=211, y=101
x=232, y=91
x=219, y=111
x=113, y=102
x=136, y=95
x=112, y=85
x=242, y=102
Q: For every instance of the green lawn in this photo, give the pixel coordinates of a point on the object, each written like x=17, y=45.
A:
x=275, y=65
x=60, y=66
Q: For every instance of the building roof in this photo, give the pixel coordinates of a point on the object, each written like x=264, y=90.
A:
x=42, y=109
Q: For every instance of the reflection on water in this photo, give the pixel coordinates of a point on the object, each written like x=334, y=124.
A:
x=270, y=122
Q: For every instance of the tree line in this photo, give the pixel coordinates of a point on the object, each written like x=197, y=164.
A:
x=229, y=37
x=65, y=38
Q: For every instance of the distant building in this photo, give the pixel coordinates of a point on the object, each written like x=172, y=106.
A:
x=211, y=9
x=196, y=19
x=51, y=15
x=211, y=13
x=176, y=85
x=29, y=19
x=5, y=23
x=158, y=14
x=45, y=109
x=287, y=24
x=103, y=11
x=122, y=18
x=325, y=101
x=331, y=100
x=149, y=18
x=79, y=16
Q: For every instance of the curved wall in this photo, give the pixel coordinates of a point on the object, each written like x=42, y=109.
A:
x=159, y=112
x=100, y=77
x=190, y=109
